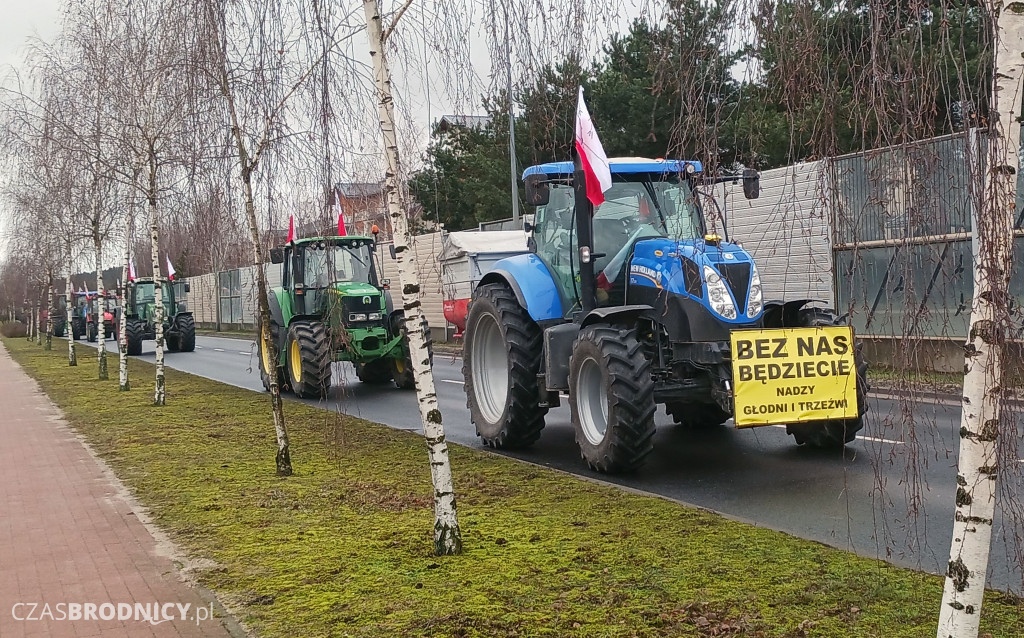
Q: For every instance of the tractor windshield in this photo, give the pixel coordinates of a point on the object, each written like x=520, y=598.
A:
x=632, y=210
x=327, y=264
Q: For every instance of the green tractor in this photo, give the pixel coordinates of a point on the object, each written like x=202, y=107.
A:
x=332, y=306
x=140, y=309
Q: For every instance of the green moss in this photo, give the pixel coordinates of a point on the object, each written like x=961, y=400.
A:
x=344, y=547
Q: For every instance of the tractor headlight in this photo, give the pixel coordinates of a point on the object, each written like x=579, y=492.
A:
x=718, y=294
x=374, y=316
x=755, y=302
x=357, y=316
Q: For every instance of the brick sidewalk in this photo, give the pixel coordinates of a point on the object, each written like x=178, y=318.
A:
x=68, y=534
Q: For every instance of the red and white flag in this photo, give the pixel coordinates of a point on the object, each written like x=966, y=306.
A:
x=337, y=211
x=592, y=156
x=170, y=269
x=131, y=270
x=291, y=229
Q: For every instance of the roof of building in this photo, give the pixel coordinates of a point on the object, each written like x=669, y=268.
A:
x=469, y=121
x=359, y=189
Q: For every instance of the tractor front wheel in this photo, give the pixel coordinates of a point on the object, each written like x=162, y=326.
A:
x=91, y=332
x=611, y=396
x=133, y=332
x=501, y=359
x=837, y=433
x=309, y=359
x=401, y=368
x=268, y=362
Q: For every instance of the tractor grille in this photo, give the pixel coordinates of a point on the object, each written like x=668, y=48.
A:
x=738, y=278
x=361, y=303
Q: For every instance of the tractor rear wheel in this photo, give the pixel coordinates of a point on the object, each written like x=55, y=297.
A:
x=697, y=415
x=309, y=359
x=837, y=433
x=76, y=330
x=501, y=359
x=611, y=397
x=133, y=331
x=58, y=330
x=401, y=368
x=186, y=333
x=91, y=332
x=375, y=372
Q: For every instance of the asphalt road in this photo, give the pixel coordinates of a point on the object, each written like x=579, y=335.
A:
x=889, y=496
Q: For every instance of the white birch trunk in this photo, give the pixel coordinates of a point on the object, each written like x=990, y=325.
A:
x=100, y=300
x=122, y=319
x=977, y=467
x=70, y=331
x=159, y=396
x=49, y=311
x=447, y=536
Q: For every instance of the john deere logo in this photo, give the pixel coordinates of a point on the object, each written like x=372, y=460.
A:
x=366, y=299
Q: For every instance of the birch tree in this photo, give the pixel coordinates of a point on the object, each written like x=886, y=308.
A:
x=447, y=535
x=977, y=467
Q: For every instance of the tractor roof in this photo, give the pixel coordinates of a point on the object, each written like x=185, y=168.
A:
x=621, y=165
x=334, y=239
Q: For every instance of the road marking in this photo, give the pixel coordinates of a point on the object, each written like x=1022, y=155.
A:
x=863, y=438
x=199, y=347
x=244, y=353
x=452, y=381
x=218, y=349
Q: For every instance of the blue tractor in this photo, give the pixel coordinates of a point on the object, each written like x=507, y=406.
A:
x=625, y=306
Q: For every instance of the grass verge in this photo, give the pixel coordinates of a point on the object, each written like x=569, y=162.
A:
x=344, y=546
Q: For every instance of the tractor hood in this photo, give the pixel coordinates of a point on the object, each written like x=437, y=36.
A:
x=720, y=275
x=353, y=288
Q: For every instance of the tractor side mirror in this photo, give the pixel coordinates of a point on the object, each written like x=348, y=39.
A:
x=537, y=191
x=385, y=283
x=394, y=255
x=751, y=183
x=277, y=255
x=188, y=287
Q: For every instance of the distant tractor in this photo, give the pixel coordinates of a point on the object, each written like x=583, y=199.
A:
x=637, y=302
x=140, y=314
x=59, y=318
x=104, y=313
x=333, y=306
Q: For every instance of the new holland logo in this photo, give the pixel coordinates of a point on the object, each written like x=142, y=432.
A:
x=647, y=273
x=366, y=300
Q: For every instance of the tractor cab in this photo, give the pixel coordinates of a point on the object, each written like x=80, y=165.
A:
x=141, y=298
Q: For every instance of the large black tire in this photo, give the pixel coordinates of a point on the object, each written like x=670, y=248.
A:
x=186, y=333
x=76, y=330
x=611, y=398
x=375, y=372
x=502, y=343
x=310, y=375
x=91, y=332
x=401, y=369
x=697, y=415
x=133, y=332
x=833, y=434
x=59, y=330
x=264, y=355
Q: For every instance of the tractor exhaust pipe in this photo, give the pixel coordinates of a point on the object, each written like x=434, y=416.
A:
x=585, y=236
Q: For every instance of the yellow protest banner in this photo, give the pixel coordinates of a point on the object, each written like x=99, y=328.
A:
x=787, y=375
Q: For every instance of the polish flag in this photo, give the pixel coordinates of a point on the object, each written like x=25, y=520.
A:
x=341, y=218
x=291, y=229
x=170, y=269
x=131, y=270
x=592, y=155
